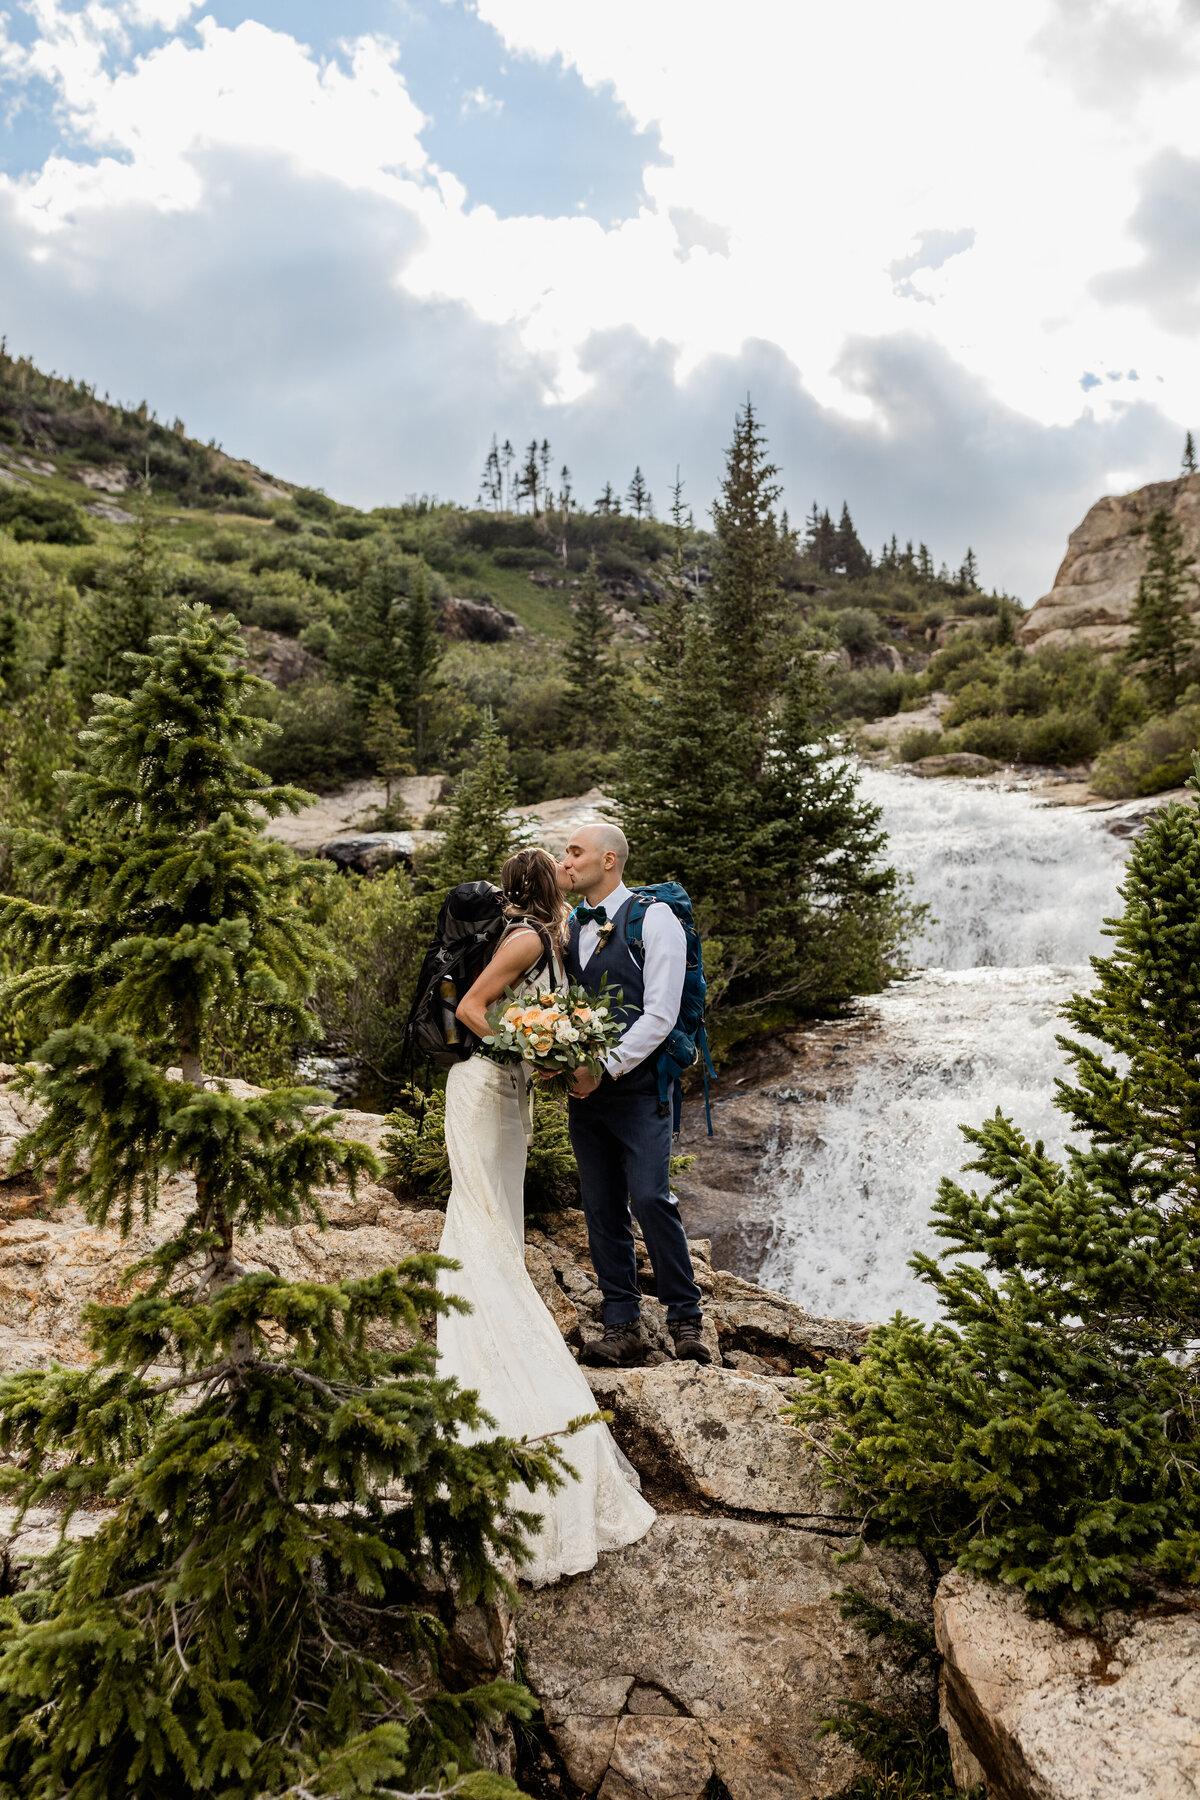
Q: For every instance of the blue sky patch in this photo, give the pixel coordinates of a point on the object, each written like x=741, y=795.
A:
x=524, y=136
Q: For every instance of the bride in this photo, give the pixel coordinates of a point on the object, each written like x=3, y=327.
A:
x=508, y=1347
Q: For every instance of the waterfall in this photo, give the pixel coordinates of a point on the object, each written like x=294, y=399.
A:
x=1017, y=893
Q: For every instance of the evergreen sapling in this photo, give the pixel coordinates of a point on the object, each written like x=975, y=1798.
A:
x=288, y=1497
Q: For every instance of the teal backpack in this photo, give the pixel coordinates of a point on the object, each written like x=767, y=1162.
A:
x=687, y=1043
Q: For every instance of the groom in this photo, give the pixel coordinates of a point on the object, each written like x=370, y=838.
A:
x=619, y=1133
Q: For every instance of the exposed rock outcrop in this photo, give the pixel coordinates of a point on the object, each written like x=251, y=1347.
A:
x=1050, y=1712
x=715, y=1646
x=1093, y=593
x=477, y=621
x=278, y=659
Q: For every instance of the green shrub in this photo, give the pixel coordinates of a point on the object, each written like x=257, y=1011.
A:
x=918, y=743
x=868, y=693
x=289, y=522
x=1046, y=1435
x=998, y=737
x=857, y=629
x=1158, y=756
x=315, y=502
x=37, y=518
x=319, y=742
x=376, y=928
x=975, y=700
x=416, y=1147
x=1062, y=735
x=226, y=547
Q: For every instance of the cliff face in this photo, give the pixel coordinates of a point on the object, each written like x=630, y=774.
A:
x=1093, y=593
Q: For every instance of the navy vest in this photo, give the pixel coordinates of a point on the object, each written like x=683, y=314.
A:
x=616, y=960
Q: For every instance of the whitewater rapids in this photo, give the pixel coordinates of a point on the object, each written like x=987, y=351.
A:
x=1017, y=893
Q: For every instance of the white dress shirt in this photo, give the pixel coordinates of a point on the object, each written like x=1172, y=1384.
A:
x=663, y=975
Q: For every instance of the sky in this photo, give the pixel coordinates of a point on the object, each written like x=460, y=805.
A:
x=952, y=252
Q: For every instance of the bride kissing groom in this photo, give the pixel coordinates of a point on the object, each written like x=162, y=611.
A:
x=507, y=1347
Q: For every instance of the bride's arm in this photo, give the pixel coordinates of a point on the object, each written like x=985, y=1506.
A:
x=510, y=962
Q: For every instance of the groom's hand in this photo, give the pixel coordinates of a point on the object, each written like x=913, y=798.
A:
x=584, y=1083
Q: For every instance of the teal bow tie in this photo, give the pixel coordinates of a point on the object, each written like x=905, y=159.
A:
x=584, y=913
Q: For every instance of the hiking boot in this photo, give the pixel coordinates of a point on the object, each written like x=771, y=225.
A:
x=622, y=1347
x=689, y=1345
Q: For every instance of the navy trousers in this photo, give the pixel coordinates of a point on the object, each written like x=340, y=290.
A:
x=623, y=1149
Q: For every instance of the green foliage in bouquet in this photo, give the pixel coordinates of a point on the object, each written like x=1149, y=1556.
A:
x=288, y=1502
x=1048, y=1435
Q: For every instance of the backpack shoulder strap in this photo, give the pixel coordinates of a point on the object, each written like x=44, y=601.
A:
x=635, y=919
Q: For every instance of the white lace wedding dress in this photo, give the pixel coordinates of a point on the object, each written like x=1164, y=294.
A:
x=508, y=1347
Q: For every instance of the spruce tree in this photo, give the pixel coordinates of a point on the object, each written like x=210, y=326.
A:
x=638, y=496
x=1164, y=630
x=479, y=832
x=740, y=795
x=848, y=553
x=389, y=744
x=591, y=669
x=421, y=647
x=1189, y=455
x=745, y=598
x=283, y=1494
x=1046, y=1435
x=123, y=614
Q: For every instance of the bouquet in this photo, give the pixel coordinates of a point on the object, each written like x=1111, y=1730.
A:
x=555, y=1033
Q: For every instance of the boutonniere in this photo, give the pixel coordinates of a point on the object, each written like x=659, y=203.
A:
x=605, y=932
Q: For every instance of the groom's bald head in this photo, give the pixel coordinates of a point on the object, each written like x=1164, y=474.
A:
x=603, y=838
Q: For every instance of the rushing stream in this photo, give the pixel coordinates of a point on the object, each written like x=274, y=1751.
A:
x=1017, y=892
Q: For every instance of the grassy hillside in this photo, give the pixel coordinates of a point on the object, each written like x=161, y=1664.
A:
x=106, y=512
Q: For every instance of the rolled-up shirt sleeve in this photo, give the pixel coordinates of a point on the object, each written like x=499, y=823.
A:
x=664, y=971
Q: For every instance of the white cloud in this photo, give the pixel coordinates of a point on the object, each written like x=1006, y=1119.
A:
x=805, y=151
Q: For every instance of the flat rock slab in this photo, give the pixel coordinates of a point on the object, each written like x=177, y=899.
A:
x=714, y=1646
x=718, y=1435
x=1054, y=1713
x=953, y=762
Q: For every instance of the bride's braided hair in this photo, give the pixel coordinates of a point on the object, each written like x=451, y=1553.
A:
x=529, y=881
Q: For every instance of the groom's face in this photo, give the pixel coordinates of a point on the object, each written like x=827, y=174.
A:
x=584, y=866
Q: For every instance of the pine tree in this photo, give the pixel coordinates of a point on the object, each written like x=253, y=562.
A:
x=370, y=650
x=389, y=744
x=608, y=503
x=746, y=601
x=1189, y=455
x=421, y=647
x=848, y=553
x=638, y=497
x=125, y=611
x=740, y=795
x=491, y=485
x=968, y=575
x=1047, y=1434
x=529, y=480
x=924, y=563
x=820, y=543
x=479, y=833
x=1164, y=629
x=591, y=668
x=507, y=458
x=258, y=1608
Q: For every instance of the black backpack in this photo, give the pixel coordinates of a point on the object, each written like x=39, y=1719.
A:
x=469, y=927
